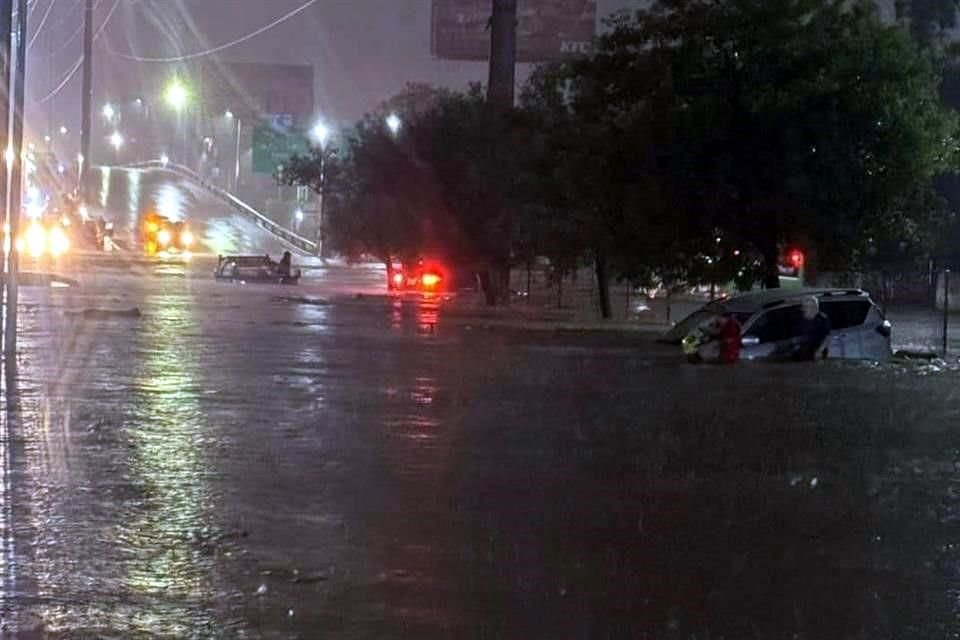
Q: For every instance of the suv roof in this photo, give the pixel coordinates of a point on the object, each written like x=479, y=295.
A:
x=765, y=298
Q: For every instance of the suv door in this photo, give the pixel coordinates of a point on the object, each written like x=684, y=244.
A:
x=777, y=333
x=855, y=329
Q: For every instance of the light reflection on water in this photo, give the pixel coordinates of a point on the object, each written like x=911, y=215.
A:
x=168, y=531
x=114, y=530
x=133, y=200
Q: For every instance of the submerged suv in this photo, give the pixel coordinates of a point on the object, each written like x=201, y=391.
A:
x=771, y=322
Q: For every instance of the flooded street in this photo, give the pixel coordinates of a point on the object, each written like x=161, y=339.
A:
x=183, y=458
x=269, y=462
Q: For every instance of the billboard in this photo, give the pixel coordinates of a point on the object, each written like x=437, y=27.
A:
x=546, y=29
x=251, y=89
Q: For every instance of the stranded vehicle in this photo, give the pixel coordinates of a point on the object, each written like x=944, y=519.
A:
x=160, y=234
x=254, y=269
x=770, y=321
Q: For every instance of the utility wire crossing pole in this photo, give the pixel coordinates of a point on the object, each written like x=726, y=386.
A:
x=16, y=188
x=87, y=99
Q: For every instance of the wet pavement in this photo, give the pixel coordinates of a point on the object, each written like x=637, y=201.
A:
x=277, y=462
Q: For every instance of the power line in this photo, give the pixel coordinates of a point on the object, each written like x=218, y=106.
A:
x=79, y=63
x=77, y=4
x=66, y=43
x=218, y=48
x=43, y=21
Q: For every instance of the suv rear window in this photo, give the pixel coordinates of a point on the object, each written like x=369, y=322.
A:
x=844, y=314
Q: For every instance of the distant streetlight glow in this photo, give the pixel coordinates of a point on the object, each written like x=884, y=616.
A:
x=108, y=111
x=320, y=132
x=116, y=140
x=176, y=95
x=299, y=215
x=164, y=159
x=228, y=115
x=63, y=130
x=394, y=123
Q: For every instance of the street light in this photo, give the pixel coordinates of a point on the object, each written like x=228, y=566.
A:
x=176, y=95
x=320, y=132
x=228, y=114
x=394, y=123
x=108, y=111
x=63, y=130
x=116, y=140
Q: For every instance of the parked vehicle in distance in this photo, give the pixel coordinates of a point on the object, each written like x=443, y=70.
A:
x=771, y=323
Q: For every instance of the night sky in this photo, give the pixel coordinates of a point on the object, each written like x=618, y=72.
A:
x=362, y=51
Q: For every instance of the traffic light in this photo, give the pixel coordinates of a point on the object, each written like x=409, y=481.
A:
x=795, y=258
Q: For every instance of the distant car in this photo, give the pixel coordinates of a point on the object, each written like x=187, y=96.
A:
x=253, y=269
x=771, y=323
x=420, y=277
x=160, y=234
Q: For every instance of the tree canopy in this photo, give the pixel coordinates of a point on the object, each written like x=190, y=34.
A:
x=696, y=141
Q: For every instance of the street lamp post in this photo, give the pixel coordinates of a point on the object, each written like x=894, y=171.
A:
x=236, y=168
x=320, y=133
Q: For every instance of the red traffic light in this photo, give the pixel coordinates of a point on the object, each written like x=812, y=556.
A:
x=795, y=258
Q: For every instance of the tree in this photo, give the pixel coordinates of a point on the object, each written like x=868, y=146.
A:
x=928, y=19
x=472, y=153
x=790, y=118
x=592, y=172
x=374, y=194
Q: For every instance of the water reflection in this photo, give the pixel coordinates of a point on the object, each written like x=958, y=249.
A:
x=106, y=174
x=8, y=564
x=168, y=536
x=133, y=201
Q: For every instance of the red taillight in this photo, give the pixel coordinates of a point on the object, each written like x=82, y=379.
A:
x=430, y=280
x=398, y=278
x=795, y=258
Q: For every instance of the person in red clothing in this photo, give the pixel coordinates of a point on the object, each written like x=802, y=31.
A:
x=730, y=340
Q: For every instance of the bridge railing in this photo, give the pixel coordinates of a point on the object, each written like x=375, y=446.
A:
x=295, y=240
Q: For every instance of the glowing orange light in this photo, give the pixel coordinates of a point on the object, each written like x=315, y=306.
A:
x=398, y=278
x=430, y=280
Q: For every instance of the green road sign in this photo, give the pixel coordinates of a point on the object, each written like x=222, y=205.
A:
x=272, y=146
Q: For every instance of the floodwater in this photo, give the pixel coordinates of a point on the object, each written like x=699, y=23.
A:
x=277, y=462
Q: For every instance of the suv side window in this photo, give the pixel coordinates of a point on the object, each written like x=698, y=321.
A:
x=778, y=324
x=844, y=314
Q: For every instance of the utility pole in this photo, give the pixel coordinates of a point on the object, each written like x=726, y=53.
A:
x=503, y=53
x=87, y=98
x=500, y=88
x=16, y=188
x=6, y=26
